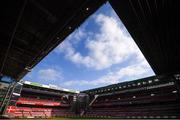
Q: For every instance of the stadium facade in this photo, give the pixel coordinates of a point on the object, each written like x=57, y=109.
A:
x=152, y=97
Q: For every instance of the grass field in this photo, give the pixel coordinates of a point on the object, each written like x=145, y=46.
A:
x=88, y=119
x=64, y=119
x=76, y=119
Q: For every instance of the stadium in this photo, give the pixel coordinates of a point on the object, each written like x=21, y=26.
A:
x=32, y=29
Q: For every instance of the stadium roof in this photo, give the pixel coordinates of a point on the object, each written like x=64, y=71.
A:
x=30, y=29
x=53, y=87
x=154, y=25
x=151, y=81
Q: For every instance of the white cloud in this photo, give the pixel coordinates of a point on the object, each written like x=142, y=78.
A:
x=50, y=74
x=111, y=45
x=132, y=72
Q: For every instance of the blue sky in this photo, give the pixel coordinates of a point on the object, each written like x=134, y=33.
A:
x=98, y=53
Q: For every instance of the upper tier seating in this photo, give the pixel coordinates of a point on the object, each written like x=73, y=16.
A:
x=39, y=102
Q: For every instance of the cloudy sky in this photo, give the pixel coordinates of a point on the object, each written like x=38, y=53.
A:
x=98, y=53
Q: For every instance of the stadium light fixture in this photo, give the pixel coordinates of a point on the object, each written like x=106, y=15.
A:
x=177, y=76
x=87, y=9
x=152, y=94
x=28, y=69
x=69, y=27
x=134, y=96
x=156, y=80
x=175, y=91
x=150, y=81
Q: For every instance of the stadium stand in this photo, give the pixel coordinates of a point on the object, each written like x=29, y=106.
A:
x=153, y=97
x=36, y=102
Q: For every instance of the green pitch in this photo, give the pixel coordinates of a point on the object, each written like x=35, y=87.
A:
x=87, y=119
x=66, y=119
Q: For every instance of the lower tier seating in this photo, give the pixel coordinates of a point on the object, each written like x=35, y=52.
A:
x=146, y=111
x=27, y=112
